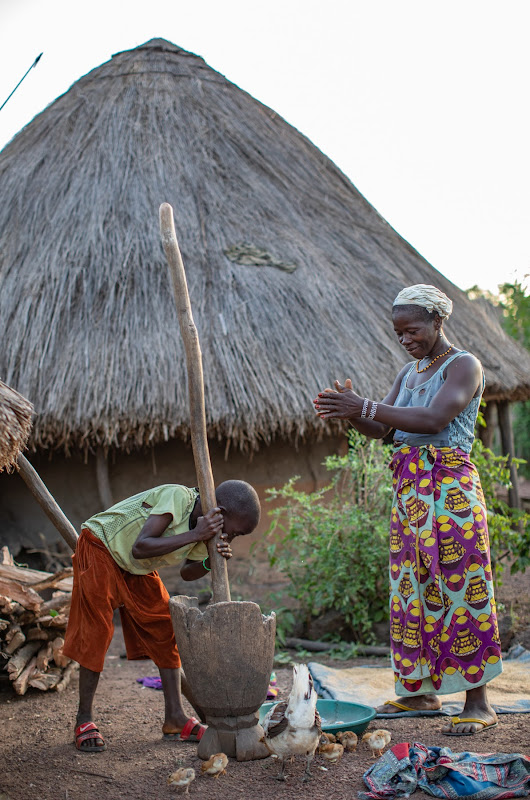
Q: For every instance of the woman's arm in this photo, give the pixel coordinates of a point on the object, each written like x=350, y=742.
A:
x=464, y=376
x=371, y=428
x=150, y=542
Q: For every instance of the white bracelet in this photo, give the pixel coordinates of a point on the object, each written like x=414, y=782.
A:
x=373, y=411
x=365, y=408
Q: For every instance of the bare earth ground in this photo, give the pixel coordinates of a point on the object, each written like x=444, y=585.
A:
x=39, y=762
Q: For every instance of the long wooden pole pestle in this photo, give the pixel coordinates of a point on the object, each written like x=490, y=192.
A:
x=199, y=439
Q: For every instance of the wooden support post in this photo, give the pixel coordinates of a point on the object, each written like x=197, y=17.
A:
x=43, y=497
x=486, y=434
x=508, y=449
x=102, y=479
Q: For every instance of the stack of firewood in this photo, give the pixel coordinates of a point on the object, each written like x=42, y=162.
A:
x=32, y=628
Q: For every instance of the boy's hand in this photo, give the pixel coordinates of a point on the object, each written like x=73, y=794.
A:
x=223, y=547
x=209, y=525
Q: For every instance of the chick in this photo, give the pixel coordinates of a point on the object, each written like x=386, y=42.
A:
x=293, y=728
x=348, y=740
x=377, y=741
x=216, y=765
x=327, y=738
x=182, y=778
x=331, y=752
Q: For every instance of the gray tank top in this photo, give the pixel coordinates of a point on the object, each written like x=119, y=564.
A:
x=461, y=430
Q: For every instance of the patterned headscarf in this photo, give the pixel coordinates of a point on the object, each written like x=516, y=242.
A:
x=428, y=297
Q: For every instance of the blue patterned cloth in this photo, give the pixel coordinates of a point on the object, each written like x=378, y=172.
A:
x=441, y=773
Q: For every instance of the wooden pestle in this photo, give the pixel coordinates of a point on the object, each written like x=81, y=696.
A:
x=199, y=439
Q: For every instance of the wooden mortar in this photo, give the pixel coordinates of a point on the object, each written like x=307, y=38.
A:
x=227, y=651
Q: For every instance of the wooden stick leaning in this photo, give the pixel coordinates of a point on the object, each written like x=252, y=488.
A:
x=43, y=497
x=199, y=439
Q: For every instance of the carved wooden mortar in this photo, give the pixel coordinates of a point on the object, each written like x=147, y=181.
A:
x=227, y=653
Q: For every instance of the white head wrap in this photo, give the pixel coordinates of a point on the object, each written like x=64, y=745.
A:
x=428, y=297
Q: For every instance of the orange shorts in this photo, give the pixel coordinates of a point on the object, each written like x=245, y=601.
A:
x=100, y=586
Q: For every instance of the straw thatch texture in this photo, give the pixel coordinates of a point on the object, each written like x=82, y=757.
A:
x=86, y=297
x=15, y=425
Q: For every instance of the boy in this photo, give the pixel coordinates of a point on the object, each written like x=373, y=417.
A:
x=114, y=567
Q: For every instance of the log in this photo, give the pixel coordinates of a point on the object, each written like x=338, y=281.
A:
x=16, y=663
x=72, y=667
x=20, y=684
x=58, y=657
x=37, y=634
x=44, y=657
x=35, y=576
x=61, y=602
x=27, y=597
x=199, y=437
x=48, y=621
x=46, y=680
x=52, y=581
x=46, y=501
x=14, y=638
x=321, y=647
x=4, y=624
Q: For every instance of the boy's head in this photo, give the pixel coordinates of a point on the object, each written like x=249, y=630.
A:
x=240, y=505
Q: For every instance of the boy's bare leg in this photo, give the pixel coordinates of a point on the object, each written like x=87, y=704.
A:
x=421, y=702
x=175, y=717
x=88, y=683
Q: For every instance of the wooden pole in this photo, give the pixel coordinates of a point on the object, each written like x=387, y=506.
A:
x=508, y=449
x=199, y=439
x=102, y=479
x=43, y=497
x=486, y=434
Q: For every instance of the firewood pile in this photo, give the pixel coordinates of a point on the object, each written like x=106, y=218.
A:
x=32, y=628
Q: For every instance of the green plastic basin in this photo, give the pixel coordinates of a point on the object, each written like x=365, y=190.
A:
x=337, y=715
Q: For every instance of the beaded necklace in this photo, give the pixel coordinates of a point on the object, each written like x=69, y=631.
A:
x=434, y=359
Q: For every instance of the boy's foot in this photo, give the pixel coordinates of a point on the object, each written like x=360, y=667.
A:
x=419, y=702
x=88, y=739
x=192, y=731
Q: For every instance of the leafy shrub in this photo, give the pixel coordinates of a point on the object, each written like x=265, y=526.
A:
x=332, y=544
x=509, y=528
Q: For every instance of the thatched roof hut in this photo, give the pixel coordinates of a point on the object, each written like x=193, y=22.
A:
x=291, y=271
x=15, y=425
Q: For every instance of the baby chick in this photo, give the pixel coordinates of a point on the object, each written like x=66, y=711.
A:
x=377, y=741
x=348, y=740
x=328, y=738
x=331, y=752
x=182, y=778
x=216, y=765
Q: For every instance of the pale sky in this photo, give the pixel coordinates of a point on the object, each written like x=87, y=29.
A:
x=423, y=104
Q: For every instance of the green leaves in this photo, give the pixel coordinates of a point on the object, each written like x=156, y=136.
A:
x=332, y=544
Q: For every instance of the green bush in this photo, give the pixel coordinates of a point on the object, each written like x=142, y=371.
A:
x=509, y=528
x=332, y=544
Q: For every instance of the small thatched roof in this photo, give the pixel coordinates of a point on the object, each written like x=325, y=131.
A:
x=291, y=271
x=15, y=425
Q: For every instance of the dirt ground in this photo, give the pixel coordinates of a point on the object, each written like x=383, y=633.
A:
x=38, y=760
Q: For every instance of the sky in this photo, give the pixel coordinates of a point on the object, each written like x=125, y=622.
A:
x=423, y=104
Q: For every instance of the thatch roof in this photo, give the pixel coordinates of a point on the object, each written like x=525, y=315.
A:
x=291, y=271
x=15, y=425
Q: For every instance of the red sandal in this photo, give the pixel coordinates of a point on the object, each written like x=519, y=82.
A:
x=193, y=731
x=85, y=731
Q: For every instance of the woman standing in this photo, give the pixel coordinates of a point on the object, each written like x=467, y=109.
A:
x=443, y=624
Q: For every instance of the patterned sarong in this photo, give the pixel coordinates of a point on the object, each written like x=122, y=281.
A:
x=443, y=623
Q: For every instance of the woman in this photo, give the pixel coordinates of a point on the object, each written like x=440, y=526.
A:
x=443, y=625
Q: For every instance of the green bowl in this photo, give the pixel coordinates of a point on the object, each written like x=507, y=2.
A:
x=337, y=715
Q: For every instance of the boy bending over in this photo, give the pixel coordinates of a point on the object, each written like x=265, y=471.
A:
x=115, y=563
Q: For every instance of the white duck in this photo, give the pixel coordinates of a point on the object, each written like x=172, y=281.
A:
x=293, y=728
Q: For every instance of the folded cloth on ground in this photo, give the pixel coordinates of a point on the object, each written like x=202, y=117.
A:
x=441, y=773
x=509, y=693
x=150, y=682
